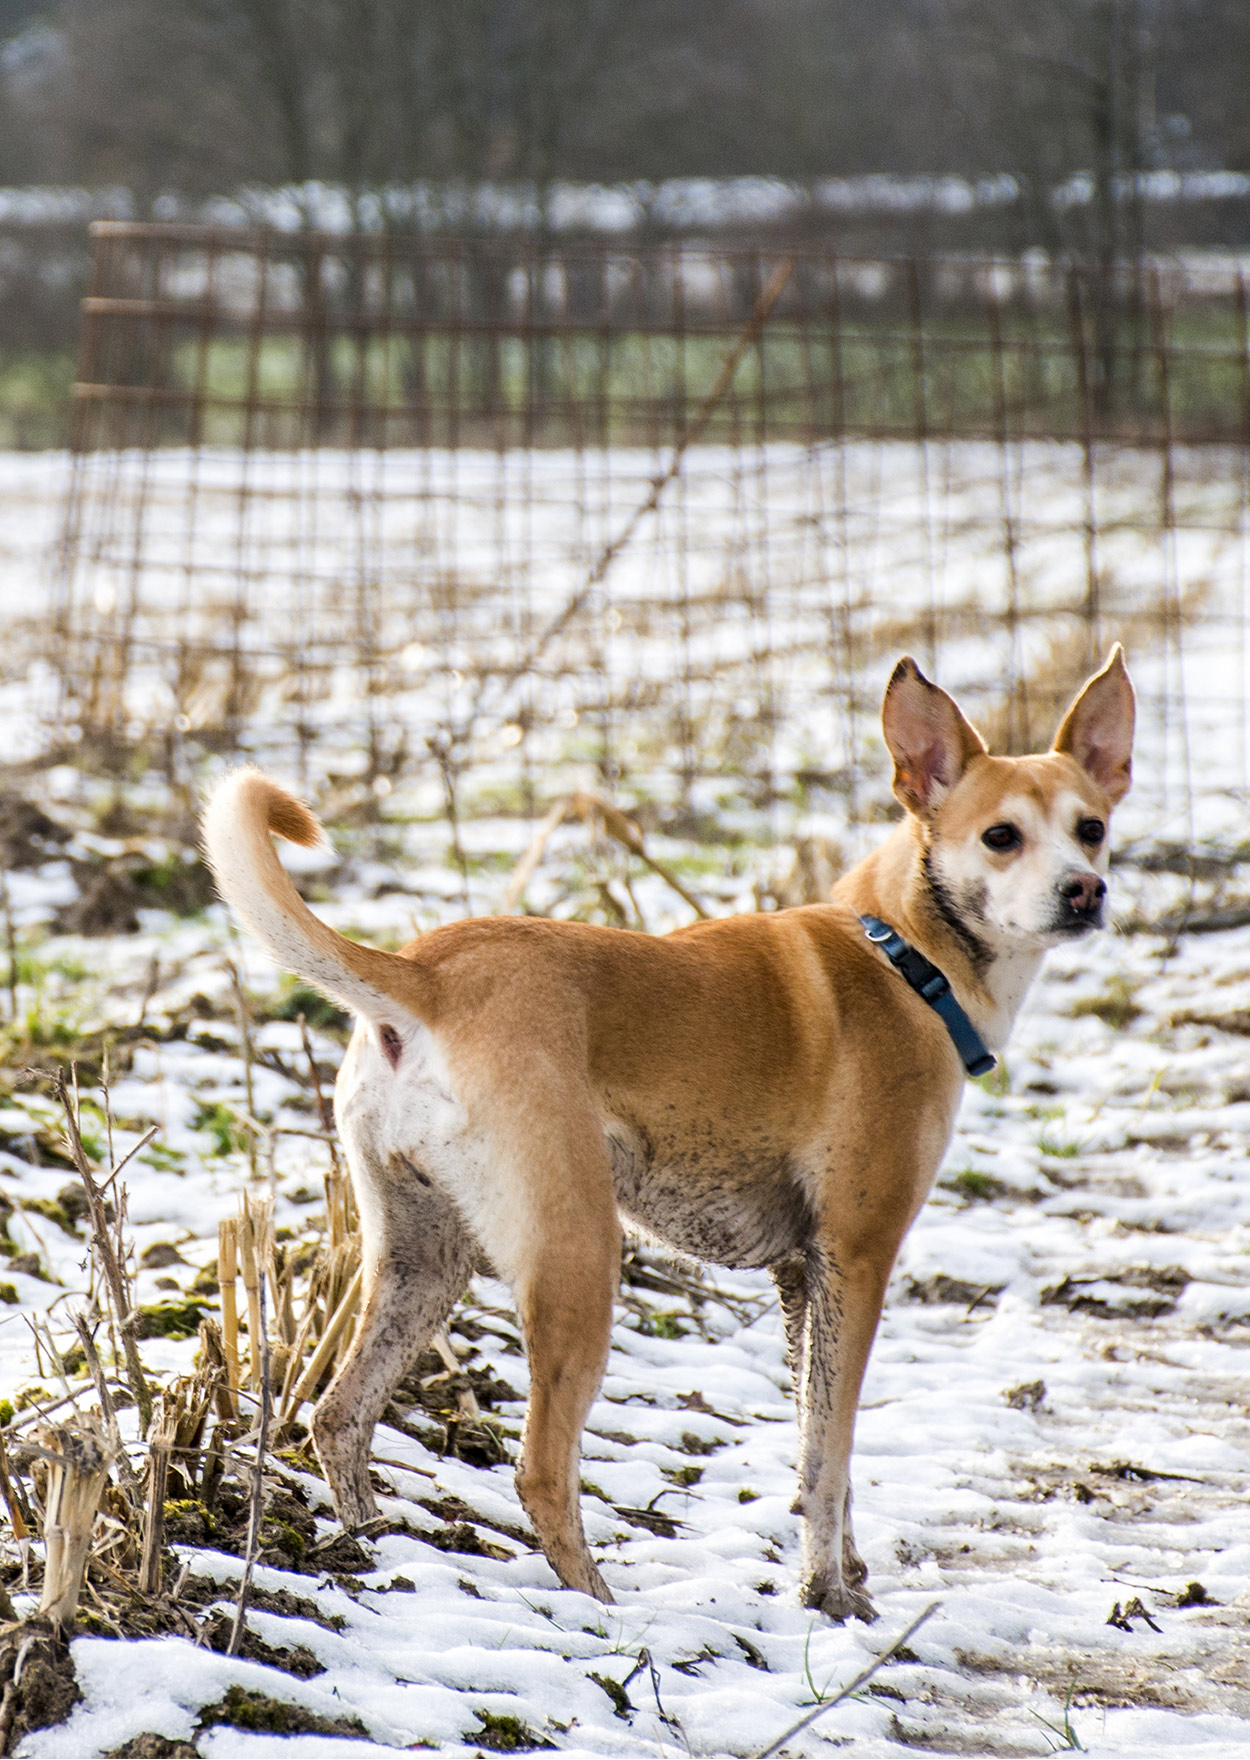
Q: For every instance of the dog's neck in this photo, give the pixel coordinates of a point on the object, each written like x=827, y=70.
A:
x=895, y=883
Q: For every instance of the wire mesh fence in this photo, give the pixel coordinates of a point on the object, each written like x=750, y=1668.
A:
x=485, y=521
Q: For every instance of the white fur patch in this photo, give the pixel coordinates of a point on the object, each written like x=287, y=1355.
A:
x=413, y=1114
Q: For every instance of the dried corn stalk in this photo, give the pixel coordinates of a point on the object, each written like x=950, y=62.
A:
x=255, y=1231
x=77, y=1456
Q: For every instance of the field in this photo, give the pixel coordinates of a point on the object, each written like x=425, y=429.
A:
x=1053, y=1439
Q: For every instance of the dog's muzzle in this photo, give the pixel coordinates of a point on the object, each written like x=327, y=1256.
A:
x=1081, y=899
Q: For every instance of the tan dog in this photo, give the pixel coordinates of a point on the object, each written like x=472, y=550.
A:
x=756, y=1091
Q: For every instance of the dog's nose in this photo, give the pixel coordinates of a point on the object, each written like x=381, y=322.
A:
x=1084, y=893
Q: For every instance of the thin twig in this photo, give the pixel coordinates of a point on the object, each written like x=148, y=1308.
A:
x=258, y=1482
x=87, y=1340
x=245, y=1038
x=10, y=942
x=859, y=1681
x=227, y=1274
x=607, y=556
x=615, y=823
x=17, y=1515
x=324, y=1353
x=325, y=1111
x=129, y=1156
x=525, y=869
x=114, y=1275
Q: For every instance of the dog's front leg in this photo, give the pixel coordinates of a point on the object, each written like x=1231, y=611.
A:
x=844, y=1295
x=418, y=1259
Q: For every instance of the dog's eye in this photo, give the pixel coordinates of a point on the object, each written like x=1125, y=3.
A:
x=1001, y=837
x=1091, y=831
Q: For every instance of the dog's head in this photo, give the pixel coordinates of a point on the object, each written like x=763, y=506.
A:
x=1015, y=848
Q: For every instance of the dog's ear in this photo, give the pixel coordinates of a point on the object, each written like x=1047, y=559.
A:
x=1098, y=729
x=929, y=740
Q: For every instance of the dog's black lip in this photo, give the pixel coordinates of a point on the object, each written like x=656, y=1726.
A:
x=1073, y=927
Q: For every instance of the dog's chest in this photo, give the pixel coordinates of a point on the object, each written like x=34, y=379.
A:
x=729, y=1203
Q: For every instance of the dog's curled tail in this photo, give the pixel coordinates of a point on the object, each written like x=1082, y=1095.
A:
x=242, y=811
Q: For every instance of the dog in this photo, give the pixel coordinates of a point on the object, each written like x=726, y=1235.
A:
x=758, y=1090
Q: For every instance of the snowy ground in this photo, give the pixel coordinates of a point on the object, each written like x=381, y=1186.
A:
x=1054, y=1420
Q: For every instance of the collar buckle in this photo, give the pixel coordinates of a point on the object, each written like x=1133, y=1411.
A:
x=933, y=986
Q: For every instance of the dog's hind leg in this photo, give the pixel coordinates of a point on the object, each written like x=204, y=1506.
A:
x=418, y=1256
x=564, y=1281
x=790, y=1277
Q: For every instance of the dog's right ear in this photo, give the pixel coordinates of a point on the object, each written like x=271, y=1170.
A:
x=929, y=740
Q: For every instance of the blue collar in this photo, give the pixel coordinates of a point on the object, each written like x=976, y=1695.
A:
x=934, y=986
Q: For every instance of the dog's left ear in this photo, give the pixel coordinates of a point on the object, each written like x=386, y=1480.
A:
x=1098, y=729
x=929, y=740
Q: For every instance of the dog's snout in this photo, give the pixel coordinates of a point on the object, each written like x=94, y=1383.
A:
x=1084, y=893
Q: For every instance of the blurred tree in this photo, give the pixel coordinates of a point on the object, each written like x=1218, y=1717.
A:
x=1061, y=94
x=188, y=97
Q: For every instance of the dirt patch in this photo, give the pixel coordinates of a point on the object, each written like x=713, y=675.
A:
x=296, y=1659
x=28, y=837
x=108, y=903
x=941, y=1289
x=47, y=1688
x=505, y=1735
x=150, y=1746
x=1160, y=1287
x=288, y=1531
x=257, y=1711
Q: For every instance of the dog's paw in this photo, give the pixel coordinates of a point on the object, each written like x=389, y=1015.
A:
x=838, y=1601
x=854, y=1570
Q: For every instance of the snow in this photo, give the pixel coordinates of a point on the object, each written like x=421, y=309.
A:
x=680, y=203
x=1054, y=1417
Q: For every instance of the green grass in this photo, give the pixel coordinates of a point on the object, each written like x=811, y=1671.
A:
x=296, y=999
x=1116, y=1007
x=872, y=376
x=219, y=1122
x=1061, y=1148
x=970, y=1183
x=35, y=399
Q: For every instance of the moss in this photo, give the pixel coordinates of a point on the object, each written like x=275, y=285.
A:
x=257, y=1711
x=692, y=1444
x=164, y=1159
x=189, y=1522
x=1116, y=1007
x=170, y=1319
x=8, y=1293
x=505, y=1734
x=615, y=1691
x=178, y=883
x=970, y=1183
x=52, y=1210
x=151, y=1746
x=282, y=1537
x=1059, y=1148
x=31, y=1396
x=218, y=1122
x=297, y=999
x=205, y=1283
x=296, y=1659
x=6, y=1405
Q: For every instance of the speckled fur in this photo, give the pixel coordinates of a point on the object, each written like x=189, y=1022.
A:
x=757, y=1091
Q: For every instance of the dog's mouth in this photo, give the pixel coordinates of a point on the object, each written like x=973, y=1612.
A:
x=1072, y=925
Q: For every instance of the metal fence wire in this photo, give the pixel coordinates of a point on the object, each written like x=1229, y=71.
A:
x=499, y=517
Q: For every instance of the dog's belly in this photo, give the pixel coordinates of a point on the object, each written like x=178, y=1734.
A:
x=741, y=1212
